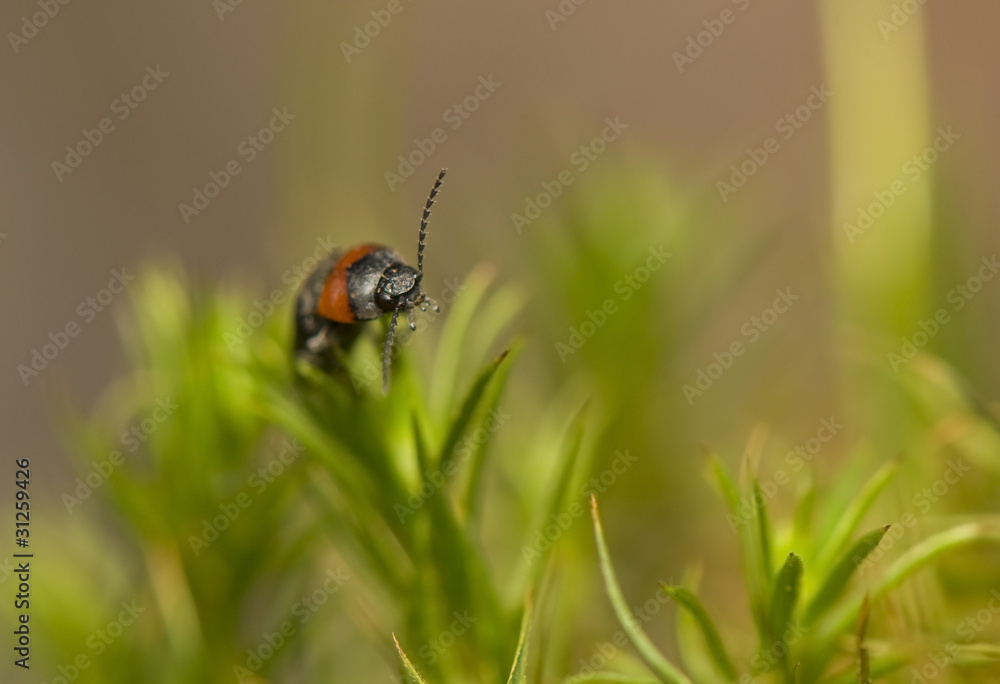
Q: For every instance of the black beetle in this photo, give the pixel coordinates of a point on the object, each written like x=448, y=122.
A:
x=361, y=284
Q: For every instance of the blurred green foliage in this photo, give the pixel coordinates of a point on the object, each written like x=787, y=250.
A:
x=282, y=525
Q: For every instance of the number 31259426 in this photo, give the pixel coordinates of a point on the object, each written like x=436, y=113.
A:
x=21, y=517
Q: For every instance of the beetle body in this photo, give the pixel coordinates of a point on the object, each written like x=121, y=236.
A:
x=361, y=284
x=350, y=287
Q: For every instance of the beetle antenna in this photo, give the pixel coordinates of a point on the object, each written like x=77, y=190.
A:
x=423, y=220
x=387, y=351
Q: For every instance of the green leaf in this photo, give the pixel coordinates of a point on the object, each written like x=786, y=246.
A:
x=493, y=316
x=661, y=667
x=410, y=670
x=692, y=649
x=785, y=594
x=469, y=409
x=453, y=338
x=471, y=497
x=690, y=602
x=912, y=560
x=802, y=522
x=749, y=542
x=841, y=573
x=864, y=659
x=756, y=538
x=851, y=517
x=923, y=553
x=518, y=671
x=421, y=448
x=724, y=481
x=558, y=499
x=763, y=530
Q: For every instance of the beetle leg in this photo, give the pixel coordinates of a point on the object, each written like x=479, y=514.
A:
x=318, y=342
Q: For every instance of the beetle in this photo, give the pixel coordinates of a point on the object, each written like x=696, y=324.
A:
x=360, y=284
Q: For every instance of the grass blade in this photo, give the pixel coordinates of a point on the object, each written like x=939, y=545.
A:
x=864, y=662
x=690, y=602
x=851, y=517
x=929, y=549
x=763, y=530
x=470, y=407
x=661, y=667
x=494, y=315
x=841, y=573
x=558, y=500
x=738, y=521
x=453, y=338
x=802, y=521
x=785, y=595
x=470, y=498
x=692, y=649
x=724, y=481
x=756, y=539
x=410, y=670
x=518, y=671
x=912, y=560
